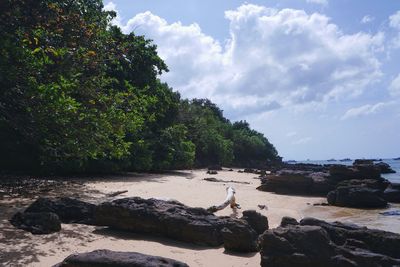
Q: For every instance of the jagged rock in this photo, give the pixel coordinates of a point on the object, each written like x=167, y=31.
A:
x=238, y=237
x=362, y=171
x=317, y=243
x=172, y=219
x=379, y=184
x=256, y=220
x=69, y=210
x=288, y=221
x=215, y=168
x=37, y=223
x=296, y=182
x=385, y=168
x=392, y=194
x=103, y=258
x=356, y=197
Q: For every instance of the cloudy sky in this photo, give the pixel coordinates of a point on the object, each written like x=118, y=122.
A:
x=320, y=78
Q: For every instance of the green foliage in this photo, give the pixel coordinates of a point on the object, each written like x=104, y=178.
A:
x=78, y=95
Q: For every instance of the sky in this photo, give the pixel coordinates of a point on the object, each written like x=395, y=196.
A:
x=319, y=78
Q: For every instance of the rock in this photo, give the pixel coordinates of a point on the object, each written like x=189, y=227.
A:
x=385, y=168
x=173, y=220
x=237, y=237
x=362, y=171
x=288, y=221
x=256, y=220
x=363, y=162
x=356, y=197
x=69, y=210
x=318, y=243
x=38, y=223
x=392, y=195
x=248, y=170
x=104, y=257
x=212, y=172
x=390, y=213
x=215, y=168
x=296, y=182
x=379, y=184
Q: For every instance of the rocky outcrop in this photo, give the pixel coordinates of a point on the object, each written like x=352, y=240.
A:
x=360, y=171
x=296, y=182
x=177, y=221
x=256, y=220
x=392, y=193
x=318, y=243
x=102, y=258
x=385, y=168
x=379, y=184
x=69, y=210
x=356, y=197
x=37, y=223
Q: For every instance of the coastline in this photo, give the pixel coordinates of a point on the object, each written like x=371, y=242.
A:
x=21, y=248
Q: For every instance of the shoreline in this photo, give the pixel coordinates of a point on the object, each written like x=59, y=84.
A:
x=21, y=248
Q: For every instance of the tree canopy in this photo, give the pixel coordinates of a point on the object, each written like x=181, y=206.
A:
x=78, y=95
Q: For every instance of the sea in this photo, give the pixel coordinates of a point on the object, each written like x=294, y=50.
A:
x=392, y=177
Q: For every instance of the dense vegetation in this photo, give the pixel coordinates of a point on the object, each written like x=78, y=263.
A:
x=78, y=95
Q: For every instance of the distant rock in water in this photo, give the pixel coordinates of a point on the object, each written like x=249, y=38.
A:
x=38, y=223
x=69, y=210
x=104, y=257
x=318, y=243
x=177, y=221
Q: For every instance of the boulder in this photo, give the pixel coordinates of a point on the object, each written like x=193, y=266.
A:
x=173, y=220
x=379, y=184
x=288, y=221
x=385, y=168
x=362, y=171
x=38, y=223
x=317, y=243
x=296, y=182
x=212, y=172
x=238, y=237
x=256, y=220
x=214, y=168
x=356, y=197
x=392, y=194
x=104, y=257
x=69, y=210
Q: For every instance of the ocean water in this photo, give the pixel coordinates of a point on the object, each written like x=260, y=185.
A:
x=392, y=177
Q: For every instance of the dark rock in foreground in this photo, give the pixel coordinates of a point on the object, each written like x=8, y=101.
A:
x=385, y=168
x=68, y=209
x=108, y=258
x=318, y=243
x=37, y=223
x=356, y=197
x=177, y=221
x=256, y=220
x=392, y=194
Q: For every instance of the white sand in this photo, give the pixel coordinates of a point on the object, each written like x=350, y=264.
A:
x=19, y=248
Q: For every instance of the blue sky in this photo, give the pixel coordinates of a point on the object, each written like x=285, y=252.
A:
x=320, y=78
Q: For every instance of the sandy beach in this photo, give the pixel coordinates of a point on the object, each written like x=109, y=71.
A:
x=20, y=248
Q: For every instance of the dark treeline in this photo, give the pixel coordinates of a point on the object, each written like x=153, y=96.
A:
x=78, y=95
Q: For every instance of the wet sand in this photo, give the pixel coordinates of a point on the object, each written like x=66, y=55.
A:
x=20, y=248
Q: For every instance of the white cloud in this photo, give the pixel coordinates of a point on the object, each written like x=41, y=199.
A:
x=291, y=134
x=110, y=6
x=394, y=20
x=302, y=141
x=365, y=110
x=273, y=59
x=320, y=2
x=394, y=87
x=367, y=19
